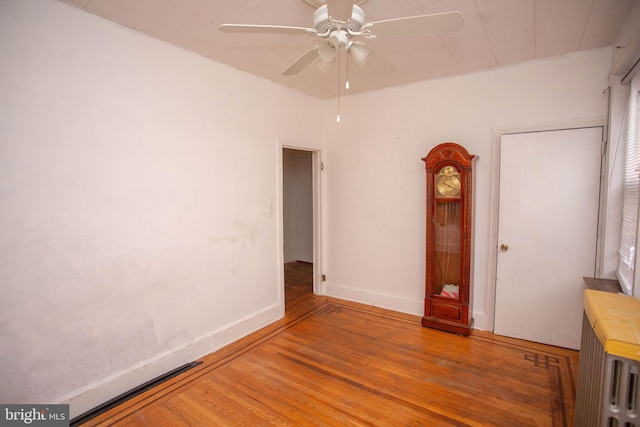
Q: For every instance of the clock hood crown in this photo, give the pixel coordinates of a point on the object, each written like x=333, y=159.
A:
x=448, y=151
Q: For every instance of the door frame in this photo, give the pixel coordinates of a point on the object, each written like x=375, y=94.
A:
x=316, y=170
x=492, y=249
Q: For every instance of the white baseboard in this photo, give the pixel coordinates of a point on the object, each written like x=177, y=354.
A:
x=480, y=321
x=96, y=394
x=391, y=302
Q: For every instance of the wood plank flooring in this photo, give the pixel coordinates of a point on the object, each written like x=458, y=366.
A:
x=331, y=362
x=298, y=281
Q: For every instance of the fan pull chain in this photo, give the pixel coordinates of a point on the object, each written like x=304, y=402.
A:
x=346, y=85
x=338, y=116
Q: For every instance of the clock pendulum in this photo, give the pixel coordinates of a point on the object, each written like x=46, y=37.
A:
x=448, y=244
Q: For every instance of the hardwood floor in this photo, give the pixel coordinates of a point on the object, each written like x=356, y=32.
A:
x=331, y=362
x=298, y=281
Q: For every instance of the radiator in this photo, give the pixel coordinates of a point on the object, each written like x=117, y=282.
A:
x=609, y=368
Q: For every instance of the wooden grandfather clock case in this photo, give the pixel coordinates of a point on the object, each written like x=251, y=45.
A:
x=449, y=243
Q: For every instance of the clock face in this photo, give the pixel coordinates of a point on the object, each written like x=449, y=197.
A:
x=448, y=182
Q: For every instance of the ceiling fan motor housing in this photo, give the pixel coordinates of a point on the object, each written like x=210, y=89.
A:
x=317, y=3
x=323, y=23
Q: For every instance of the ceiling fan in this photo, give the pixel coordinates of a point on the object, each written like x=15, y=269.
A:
x=337, y=22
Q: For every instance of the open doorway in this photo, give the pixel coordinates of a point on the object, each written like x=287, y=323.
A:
x=299, y=250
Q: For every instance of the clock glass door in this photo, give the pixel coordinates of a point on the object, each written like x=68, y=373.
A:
x=447, y=245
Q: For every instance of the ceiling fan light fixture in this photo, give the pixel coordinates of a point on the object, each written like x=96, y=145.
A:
x=328, y=49
x=325, y=66
x=359, y=53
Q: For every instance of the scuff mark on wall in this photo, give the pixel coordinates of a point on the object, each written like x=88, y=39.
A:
x=248, y=233
x=244, y=233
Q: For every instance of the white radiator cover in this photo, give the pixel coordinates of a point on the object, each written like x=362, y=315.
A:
x=608, y=390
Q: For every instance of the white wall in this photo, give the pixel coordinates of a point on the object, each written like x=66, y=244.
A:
x=375, y=226
x=135, y=179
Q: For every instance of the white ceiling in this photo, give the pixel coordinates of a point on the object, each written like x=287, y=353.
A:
x=496, y=33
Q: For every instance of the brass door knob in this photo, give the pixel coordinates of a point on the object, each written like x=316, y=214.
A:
x=504, y=248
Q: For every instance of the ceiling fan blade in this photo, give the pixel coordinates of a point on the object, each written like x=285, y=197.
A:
x=421, y=24
x=302, y=62
x=266, y=29
x=340, y=10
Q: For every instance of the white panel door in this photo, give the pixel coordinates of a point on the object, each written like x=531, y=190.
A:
x=548, y=215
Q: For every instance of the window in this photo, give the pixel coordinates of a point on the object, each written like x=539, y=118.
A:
x=631, y=190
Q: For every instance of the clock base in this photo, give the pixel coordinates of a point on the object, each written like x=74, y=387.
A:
x=447, y=325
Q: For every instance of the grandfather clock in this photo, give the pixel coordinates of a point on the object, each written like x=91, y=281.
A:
x=449, y=260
